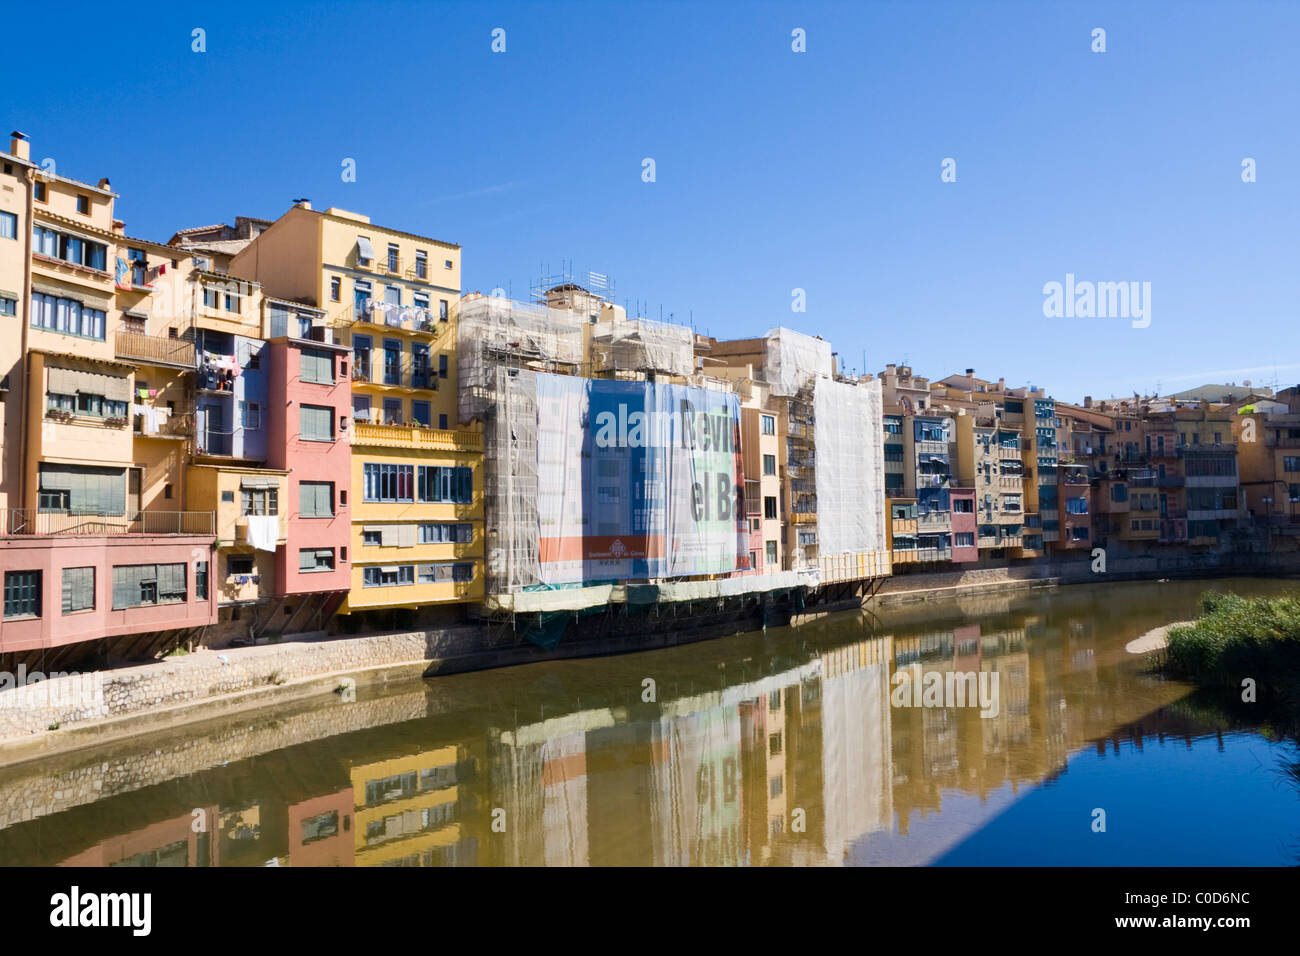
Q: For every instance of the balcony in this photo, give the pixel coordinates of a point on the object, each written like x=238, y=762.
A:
x=803, y=517
x=154, y=350
x=175, y=425
x=406, y=436
x=934, y=521
x=411, y=318
x=30, y=521
x=404, y=374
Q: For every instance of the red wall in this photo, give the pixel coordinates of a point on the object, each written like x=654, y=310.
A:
x=311, y=461
x=51, y=555
x=964, y=524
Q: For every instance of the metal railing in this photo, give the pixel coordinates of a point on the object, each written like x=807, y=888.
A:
x=31, y=521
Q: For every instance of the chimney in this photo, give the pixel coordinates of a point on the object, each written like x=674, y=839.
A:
x=103, y=184
x=19, y=146
x=1087, y=401
x=970, y=372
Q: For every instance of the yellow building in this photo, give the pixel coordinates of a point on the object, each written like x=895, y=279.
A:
x=417, y=478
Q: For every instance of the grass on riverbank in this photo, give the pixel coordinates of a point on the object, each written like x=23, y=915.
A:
x=1237, y=638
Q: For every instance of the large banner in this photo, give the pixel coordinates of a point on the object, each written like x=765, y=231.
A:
x=637, y=480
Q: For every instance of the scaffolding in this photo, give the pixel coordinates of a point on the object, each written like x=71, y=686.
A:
x=793, y=361
x=622, y=345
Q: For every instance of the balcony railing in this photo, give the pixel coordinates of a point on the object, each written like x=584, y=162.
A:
x=176, y=425
x=154, y=349
x=412, y=318
x=406, y=436
x=405, y=374
x=30, y=521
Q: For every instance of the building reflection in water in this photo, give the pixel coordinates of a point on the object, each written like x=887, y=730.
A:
x=796, y=762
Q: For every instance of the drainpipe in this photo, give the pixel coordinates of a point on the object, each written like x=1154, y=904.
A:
x=24, y=357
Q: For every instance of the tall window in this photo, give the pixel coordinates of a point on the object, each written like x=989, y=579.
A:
x=439, y=483
x=315, y=423
x=22, y=594
x=769, y=464
x=336, y=288
x=8, y=225
x=769, y=424
x=771, y=552
x=384, y=482
x=78, y=589
x=769, y=507
x=316, y=499
x=421, y=264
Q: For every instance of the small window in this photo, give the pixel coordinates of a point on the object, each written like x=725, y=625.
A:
x=228, y=496
x=769, y=464
x=769, y=507
x=8, y=225
x=250, y=415
x=316, y=559
x=442, y=366
x=8, y=306
x=446, y=263
x=771, y=552
x=442, y=421
x=769, y=425
x=201, y=580
x=239, y=564
x=442, y=309
x=83, y=205
x=40, y=192
x=336, y=289
x=167, y=490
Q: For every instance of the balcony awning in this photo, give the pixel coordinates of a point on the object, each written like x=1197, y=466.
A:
x=70, y=381
x=259, y=481
x=364, y=249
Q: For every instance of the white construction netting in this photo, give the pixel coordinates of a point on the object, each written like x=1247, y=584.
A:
x=643, y=345
x=792, y=360
x=849, y=455
x=495, y=331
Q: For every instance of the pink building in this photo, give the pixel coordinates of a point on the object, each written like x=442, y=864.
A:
x=73, y=589
x=310, y=405
x=965, y=545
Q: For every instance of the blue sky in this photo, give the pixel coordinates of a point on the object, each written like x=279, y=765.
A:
x=775, y=170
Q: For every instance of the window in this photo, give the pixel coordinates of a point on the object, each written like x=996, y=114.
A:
x=259, y=501
x=316, y=499
x=211, y=298
x=435, y=573
x=78, y=589
x=442, y=421
x=81, y=489
x=771, y=552
x=1291, y=463
x=446, y=533
x=201, y=580
x=769, y=507
x=446, y=263
x=336, y=288
x=769, y=424
x=963, y=506
x=421, y=264
x=315, y=423
x=393, y=256
x=893, y=452
x=67, y=316
x=239, y=564
x=317, y=366
x=420, y=412
x=442, y=309
x=8, y=306
x=40, y=193
x=315, y=559
x=442, y=366
x=964, y=539
x=139, y=585
x=769, y=464
x=1076, y=506
x=383, y=482
x=83, y=205
x=250, y=415
x=8, y=225
x=1078, y=533
x=443, y=483
x=390, y=575
x=22, y=594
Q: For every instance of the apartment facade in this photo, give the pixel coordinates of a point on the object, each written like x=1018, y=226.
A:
x=389, y=299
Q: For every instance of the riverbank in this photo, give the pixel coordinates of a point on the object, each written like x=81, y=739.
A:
x=68, y=713
x=1156, y=639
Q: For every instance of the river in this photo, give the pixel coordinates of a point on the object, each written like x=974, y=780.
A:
x=785, y=747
